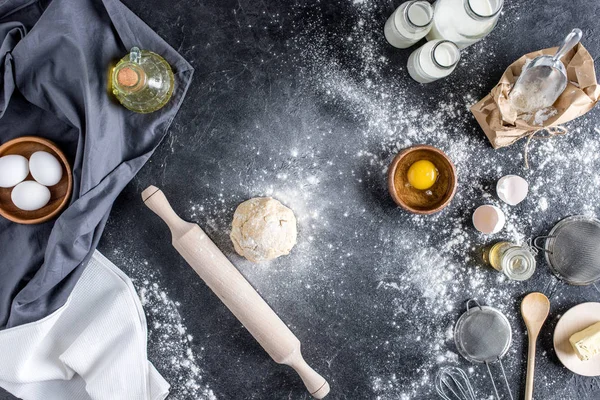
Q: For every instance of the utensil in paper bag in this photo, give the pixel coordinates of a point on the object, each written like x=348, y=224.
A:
x=543, y=79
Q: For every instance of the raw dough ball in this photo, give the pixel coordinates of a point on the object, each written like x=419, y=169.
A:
x=263, y=229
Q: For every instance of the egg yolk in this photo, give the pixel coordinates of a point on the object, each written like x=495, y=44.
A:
x=422, y=174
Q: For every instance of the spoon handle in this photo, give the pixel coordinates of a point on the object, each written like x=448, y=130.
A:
x=570, y=41
x=530, y=368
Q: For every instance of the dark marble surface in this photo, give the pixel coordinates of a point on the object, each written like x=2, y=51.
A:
x=306, y=102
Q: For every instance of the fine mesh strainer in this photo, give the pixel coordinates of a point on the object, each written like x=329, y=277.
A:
x=483, y=335
x=572, y=250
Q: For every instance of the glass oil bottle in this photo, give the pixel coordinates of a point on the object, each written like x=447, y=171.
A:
x=142, y=81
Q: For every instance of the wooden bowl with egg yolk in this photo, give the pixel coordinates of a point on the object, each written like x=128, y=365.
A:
x=59, y=194
x=422, y=201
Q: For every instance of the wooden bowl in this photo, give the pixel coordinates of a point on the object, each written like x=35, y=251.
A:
x=59, y=193
x=422, y=201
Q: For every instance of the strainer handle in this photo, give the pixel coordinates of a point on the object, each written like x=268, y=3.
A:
x=542, y=248
x=505, y=379
x=492, y=379
x=474, y=301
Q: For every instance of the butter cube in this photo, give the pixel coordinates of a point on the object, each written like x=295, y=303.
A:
x=587, y=342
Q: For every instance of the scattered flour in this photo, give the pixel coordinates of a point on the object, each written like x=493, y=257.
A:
x=543, y=115
x=170, y=347
x=435, y=261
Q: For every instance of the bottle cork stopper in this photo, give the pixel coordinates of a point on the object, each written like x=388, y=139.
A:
x=127, y=77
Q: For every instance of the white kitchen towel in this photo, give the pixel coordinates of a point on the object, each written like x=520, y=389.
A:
x=92, y=348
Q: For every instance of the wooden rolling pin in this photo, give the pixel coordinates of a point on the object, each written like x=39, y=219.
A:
x=235, y=292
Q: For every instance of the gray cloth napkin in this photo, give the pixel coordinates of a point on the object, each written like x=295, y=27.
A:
x=56, y=59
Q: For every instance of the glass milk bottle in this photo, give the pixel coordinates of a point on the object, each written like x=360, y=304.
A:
x=464, y=21
x=408, y=24
x=432, y=61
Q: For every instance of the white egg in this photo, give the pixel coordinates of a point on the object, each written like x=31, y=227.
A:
x=45, y=168
x=13, y=170
x=488, y=219
x=30, y=196
x=512, y=189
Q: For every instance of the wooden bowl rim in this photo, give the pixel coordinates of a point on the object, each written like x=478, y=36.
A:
x=392, y=172
x=63, y=160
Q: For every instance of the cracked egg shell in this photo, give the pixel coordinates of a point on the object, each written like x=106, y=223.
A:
x=512, y=189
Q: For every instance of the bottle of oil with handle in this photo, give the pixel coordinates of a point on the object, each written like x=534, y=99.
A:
x=142, y=81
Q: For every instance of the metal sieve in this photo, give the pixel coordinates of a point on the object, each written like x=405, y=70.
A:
x=483, y=335
x=572, y=250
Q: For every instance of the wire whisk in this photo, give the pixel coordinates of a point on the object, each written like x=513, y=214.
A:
x=452, y=383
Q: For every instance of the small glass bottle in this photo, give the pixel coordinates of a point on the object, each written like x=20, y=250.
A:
x=408, y=24
x=464, y=21
x=142, y=81
x=433, y=60
x=516, y=262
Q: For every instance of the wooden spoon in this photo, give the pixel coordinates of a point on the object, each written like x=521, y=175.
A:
x=534, y=309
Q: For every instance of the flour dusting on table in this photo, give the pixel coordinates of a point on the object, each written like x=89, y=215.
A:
x=438, y=261
x=170, y=346
x=376, y=305
x=433, y=260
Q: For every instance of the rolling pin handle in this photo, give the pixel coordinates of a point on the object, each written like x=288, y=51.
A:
x=156, y=200
x=315, y=383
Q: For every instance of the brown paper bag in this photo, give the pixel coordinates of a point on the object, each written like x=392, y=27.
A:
x=499, y=120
